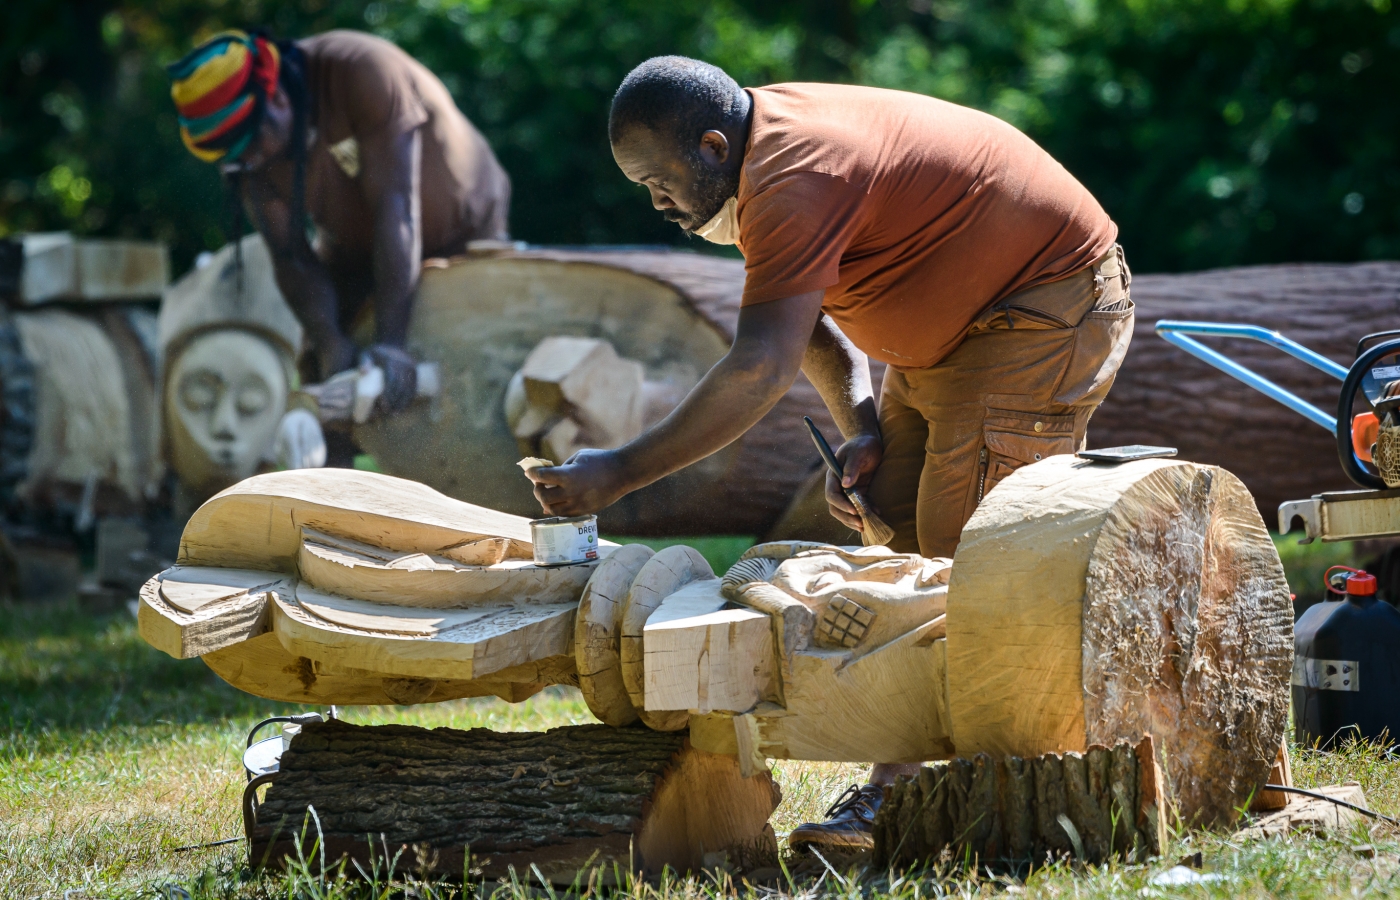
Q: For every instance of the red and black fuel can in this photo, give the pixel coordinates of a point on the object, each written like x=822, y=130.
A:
x=1346, y=668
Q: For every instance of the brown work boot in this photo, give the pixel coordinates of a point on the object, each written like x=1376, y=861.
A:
x=849, y=822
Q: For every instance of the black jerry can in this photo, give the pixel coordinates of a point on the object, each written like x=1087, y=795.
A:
x=1346, y=668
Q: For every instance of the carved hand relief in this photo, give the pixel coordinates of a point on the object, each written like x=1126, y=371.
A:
x=839, y=598
x=224, y=396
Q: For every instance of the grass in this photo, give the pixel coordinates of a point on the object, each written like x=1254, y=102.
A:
x=112, y=755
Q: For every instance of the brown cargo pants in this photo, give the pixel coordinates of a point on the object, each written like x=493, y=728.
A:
x=1020, y=387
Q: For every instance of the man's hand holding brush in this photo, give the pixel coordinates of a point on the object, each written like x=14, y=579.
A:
x=859, y=458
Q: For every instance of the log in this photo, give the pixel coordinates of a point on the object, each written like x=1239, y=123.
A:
x=560, y=802
x=77, y=432
x=1091, y=603
x=1095, y=806
x=57, y=266
x=480, y=317
x=1164, y=396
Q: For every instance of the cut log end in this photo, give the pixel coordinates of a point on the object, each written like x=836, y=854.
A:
x=1153, y=600
x=1188, y=635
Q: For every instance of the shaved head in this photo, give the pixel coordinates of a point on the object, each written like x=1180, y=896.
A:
x=678, y=126
x=676, y=97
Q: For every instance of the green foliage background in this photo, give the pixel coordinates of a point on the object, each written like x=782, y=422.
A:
x=1215, y=131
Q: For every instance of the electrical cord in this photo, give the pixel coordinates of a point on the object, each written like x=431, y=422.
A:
x=205, y=846
x=1316, y=796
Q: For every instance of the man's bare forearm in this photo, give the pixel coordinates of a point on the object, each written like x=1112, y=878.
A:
x=841, y=375
x=396, y=252
x=727, y=402
x=392, y=188
x=300, y=276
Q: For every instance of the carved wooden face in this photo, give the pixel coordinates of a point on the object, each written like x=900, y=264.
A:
x=224, y=396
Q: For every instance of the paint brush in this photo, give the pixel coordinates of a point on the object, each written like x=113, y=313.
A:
x=875, y=531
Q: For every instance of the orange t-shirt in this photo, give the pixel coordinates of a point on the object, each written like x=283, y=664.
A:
x=912, y=214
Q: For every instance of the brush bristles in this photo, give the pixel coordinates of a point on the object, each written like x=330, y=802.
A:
x=875, y=533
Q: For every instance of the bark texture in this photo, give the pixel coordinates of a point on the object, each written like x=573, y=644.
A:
x=556, y=799
x=1166, y=397
x=1010, y=809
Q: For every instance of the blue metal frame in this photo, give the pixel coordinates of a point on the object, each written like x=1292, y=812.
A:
x=1175, y=333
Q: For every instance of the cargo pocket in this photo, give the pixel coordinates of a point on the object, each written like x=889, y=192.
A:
x=1015, y=439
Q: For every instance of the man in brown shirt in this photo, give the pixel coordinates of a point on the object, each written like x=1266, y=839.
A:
x=881, y=224
x=348, y=130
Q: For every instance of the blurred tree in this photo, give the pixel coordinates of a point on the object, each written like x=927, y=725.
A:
x=1216, y=132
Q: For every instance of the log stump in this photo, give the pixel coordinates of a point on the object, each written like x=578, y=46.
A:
x=1091, y=603
x=563, y=800
x=1093, y=806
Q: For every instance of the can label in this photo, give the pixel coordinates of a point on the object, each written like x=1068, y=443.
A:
x=564, y=541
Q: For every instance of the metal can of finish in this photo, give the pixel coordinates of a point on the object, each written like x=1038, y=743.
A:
x=564, y=541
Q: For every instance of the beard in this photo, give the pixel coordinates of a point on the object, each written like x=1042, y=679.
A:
x=712, y=190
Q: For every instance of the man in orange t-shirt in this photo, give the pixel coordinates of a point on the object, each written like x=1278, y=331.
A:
x=874, y=224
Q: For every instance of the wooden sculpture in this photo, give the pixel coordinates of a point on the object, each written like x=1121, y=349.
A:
x=78, y=420
x=229, y=344
x=1088, y=604
x=337, y=586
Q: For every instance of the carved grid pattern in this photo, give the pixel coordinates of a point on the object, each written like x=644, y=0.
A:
x=845, y=622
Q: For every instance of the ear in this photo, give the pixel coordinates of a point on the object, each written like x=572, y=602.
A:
x=714, y=148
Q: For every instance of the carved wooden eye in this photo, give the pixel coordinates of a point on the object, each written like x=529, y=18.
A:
x=253, y=397
x=200, y=390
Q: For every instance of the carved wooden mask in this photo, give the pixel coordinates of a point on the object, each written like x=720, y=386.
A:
x=224, y=395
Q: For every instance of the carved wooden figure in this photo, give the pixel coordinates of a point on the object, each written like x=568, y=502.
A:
x=229, y=344
x=1088, y=604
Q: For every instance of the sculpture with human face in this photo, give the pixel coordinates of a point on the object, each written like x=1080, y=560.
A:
x=225, y=393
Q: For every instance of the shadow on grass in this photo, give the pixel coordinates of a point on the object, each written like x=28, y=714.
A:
x=64, y=669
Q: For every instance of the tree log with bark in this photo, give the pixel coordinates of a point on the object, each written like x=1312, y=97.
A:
x=1094, y=806
x=560, y=801
x=674, y=313
x=1164, y=396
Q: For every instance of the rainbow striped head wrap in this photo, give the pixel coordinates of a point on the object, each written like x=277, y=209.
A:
x=219, y=89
